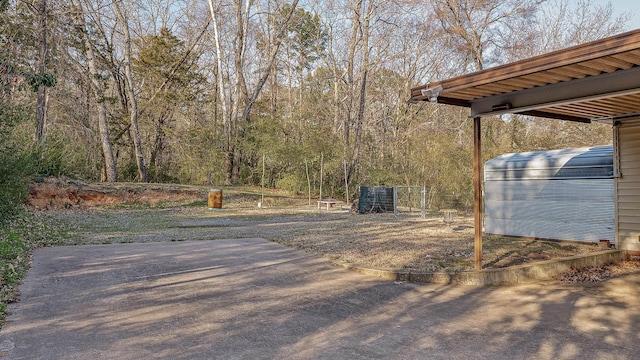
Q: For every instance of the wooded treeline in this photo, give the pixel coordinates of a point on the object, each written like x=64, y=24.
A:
x=203, y=92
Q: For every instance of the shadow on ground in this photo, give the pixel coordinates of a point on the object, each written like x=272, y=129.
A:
x=254, y=299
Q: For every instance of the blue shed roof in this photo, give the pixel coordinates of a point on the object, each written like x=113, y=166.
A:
x=581, y=163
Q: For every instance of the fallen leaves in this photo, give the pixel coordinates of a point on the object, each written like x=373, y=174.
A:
x=602, y=273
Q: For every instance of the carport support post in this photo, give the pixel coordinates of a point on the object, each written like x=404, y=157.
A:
x=477, y=192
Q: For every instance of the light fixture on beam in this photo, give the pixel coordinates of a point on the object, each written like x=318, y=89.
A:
x=502, y=107
x=432, y=93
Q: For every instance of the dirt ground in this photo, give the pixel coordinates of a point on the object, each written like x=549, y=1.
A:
x=64, y=193
x=141, y=213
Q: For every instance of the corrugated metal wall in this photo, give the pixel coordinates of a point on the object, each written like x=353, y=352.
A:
x=628, y=187
x=562, y=194
x=580, y=210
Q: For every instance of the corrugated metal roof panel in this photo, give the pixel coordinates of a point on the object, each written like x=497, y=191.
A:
x=581, y=163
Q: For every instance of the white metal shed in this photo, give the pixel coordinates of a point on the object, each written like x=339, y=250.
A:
x=563, y=194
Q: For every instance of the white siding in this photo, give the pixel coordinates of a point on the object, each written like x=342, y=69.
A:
x=628, y=188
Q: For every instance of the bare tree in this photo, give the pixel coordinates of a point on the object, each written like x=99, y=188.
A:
x=240, y=96
x=133, y=98
x=561, y=23
x=223, y=94
x=111, y=172
x=476, y=29
x=41, y=99
x=40, y=11
x=363, y=13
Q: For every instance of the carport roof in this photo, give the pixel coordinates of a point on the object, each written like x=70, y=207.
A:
x=596, y=81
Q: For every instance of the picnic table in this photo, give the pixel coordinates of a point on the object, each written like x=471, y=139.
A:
x=329, y=204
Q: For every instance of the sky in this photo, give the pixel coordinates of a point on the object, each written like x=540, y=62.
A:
x=621, y=6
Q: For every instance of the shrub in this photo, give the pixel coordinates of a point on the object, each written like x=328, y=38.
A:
x=16, y=172
x=290, y=183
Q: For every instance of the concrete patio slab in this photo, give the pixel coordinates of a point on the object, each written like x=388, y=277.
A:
x=254, y=299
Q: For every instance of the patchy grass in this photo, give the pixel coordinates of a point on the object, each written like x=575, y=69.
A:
x=18, y=237
x=14, y=255
x=371, y=240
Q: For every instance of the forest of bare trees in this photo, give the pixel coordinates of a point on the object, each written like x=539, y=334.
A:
x=204, y=91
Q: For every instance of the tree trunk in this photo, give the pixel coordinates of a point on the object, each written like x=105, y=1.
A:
x=226, y=118
x=364, y=24
x=243, y=104
x=240, y=91
x=133, y=100
x=353, y=44
x=250, y=101
x=41, y=99
x=98, y=91
x=228, y=167
x=359, y=125
x=274, y=77
x=157, y=155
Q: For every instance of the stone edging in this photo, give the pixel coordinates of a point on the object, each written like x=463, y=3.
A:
x=519, y=274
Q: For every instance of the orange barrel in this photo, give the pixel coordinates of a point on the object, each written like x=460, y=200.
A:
x=215, y=199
